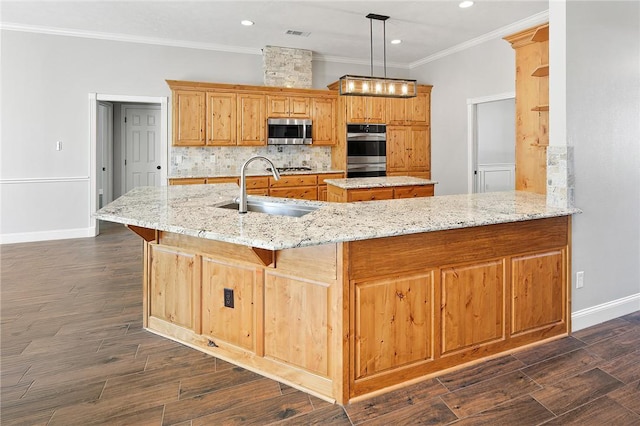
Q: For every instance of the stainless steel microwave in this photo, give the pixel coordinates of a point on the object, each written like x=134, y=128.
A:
x=289, y=131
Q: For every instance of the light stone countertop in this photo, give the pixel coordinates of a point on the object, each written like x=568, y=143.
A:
x=193, y=210
x=379, y=182
x=235, y=172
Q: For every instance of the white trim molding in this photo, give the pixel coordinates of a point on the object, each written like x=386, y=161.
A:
x=604, y=312
x=58, y=234
x=44, y=180
x=523, y=24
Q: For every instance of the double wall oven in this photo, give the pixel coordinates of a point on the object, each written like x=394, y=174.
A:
x=366, y=150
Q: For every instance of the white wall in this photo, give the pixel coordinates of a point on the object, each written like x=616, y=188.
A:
x=484, y=70
x=45, y=82
x=603, y=125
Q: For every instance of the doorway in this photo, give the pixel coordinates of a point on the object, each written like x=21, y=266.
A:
x=141, y=142
x=491, y=143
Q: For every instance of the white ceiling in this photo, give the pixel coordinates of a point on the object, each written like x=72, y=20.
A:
x=339, y=29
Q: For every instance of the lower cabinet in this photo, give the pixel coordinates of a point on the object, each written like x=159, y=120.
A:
x=174, y=286
x=473, y=305
x=538, y=291
x=393, y=323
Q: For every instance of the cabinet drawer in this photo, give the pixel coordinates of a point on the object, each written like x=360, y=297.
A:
x=222, y=180
x=370, y=194
x=302, y=193
x=323, y=177
x=187, y=181
x=257, y=182
x=258, y=191
x=413, y=191
x=295, y=180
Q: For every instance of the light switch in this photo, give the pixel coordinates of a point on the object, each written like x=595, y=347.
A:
x=58, y=145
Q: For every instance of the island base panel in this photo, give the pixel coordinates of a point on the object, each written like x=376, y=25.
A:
x=347, y=320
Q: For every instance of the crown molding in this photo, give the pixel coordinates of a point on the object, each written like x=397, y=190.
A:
x=8, y=26
x=531, y=21
x=537, y=19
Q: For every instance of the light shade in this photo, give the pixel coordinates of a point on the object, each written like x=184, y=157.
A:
x=357, y=85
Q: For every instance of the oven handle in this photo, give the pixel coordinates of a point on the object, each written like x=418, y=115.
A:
x=368, y=137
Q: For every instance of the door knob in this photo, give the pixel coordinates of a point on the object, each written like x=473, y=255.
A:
x=158, y=167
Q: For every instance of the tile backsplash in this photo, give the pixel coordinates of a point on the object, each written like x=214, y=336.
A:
x=216, y=160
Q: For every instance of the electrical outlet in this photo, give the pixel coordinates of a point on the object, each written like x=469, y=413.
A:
x=579, y=279
x=228, y=298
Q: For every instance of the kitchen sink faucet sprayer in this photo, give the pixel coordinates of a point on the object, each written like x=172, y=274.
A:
x=242, y=201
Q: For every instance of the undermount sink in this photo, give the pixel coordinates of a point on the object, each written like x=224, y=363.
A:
x=270, y=207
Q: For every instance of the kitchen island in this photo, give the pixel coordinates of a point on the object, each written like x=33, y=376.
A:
x=351, y=299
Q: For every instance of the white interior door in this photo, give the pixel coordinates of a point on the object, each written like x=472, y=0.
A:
x=492, y=143
x=142, y=162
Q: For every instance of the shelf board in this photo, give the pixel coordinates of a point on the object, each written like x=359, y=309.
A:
x=540, y=108
x=541, y=71
x=541, y=34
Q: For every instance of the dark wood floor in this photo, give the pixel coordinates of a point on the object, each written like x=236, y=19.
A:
x=74, y=353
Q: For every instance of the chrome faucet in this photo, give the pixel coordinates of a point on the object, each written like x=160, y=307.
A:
x=242, y=201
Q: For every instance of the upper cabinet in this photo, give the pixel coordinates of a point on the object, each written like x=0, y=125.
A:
x=221, y=118
x=532, y=107
x=251, y=120
x=365, y=109
x=410, y=110
x=217, y=114
x=288, y=106
x=188, y=117
x=323, y=116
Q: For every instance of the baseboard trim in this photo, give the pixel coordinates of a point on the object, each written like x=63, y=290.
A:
x=604, y=312
x=61, y=234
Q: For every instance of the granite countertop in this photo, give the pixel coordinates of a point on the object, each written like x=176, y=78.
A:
x=235, y=172
x=379, y=182
x=193, y=210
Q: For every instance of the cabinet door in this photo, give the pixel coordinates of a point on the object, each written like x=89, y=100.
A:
x=299, y=107
x=323, y=114
x=396, y=110
x=174, y=286
x=251, y=120
x=376, y=110
x=356, y=109
x=397, y=146
x=418, y=109
x=419, y=149
x=538, y=292
x=236, y=324
x=413, y=191
x=188, y=118
x=473, y=305
x=277, y=106
x=393, y=323
x=221, y=118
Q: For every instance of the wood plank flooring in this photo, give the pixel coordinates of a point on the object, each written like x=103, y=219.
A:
x=73, y=352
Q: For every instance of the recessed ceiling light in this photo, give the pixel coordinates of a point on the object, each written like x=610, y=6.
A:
x=396, y=41
x=466, y=3
x=247, y=23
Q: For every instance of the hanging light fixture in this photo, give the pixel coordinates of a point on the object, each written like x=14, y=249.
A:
x=358, y=85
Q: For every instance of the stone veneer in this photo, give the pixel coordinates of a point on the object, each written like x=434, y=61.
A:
x=213, y=160
x=287, y=67
x=560, y=176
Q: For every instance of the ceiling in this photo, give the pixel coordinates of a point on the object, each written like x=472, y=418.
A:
x=338, y=30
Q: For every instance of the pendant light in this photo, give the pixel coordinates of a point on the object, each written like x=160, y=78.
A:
x=358, y=85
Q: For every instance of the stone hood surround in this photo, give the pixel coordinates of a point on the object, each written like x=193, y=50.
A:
x=192, y=210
